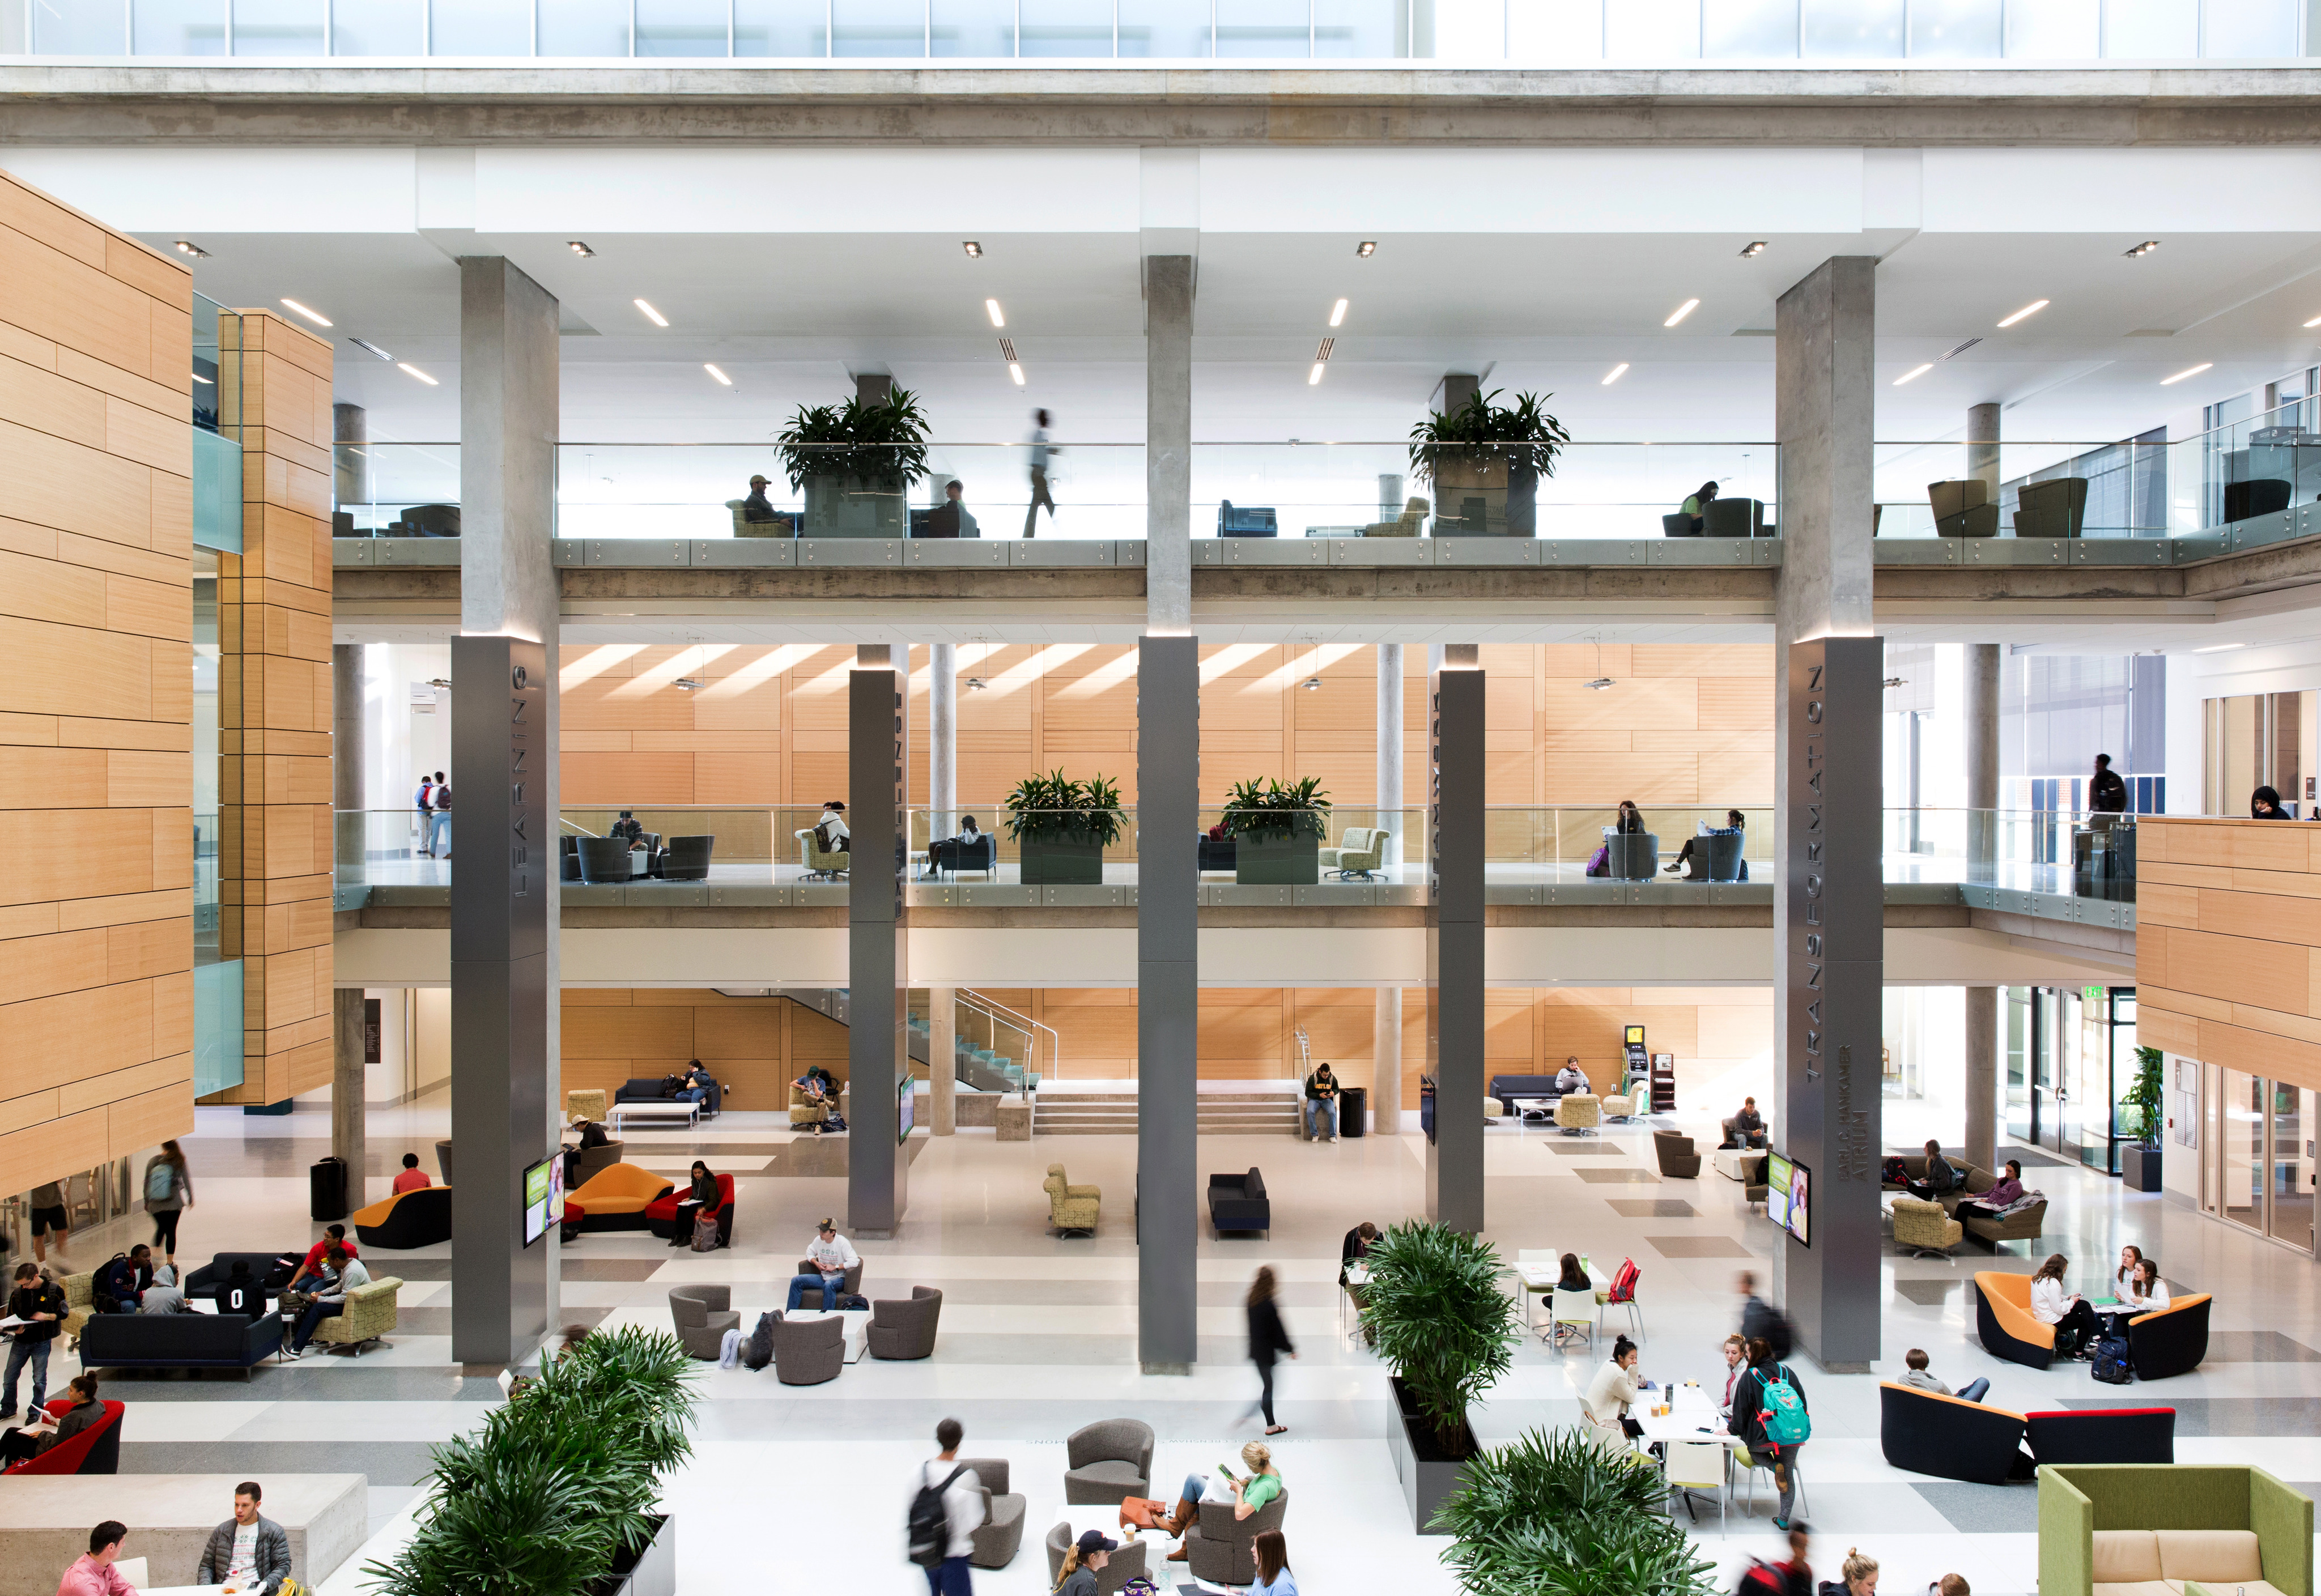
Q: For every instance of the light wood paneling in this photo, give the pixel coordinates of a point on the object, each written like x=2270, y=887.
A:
x=96, y=616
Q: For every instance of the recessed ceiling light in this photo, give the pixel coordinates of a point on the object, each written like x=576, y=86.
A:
x=710, y=367
x=1915, y=372
x=2146, y=248
x=1366, y=248
x=1756, y=246
x=188, y=247
x=1016, y=372
x=1338, y=314
x=2316, y=321
x=2219, y=648
x=1312, y=683
x=316, y=317
x=405, y=366
x=2028, y=311
x=1314, y=376
x=976, y=683
x=1614, y=375
x=365, y=344
x=1681, y=312
x=579, y=248
x=974, y=250
x=991, y=308
x=652, y=316
x=2188, y=371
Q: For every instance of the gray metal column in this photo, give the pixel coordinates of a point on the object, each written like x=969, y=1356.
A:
x=1169, y=443
x=1982, y=663
x=346, y=1073
x=1455, y=940
x=1168, y=1002
x=1458, y=387
x=1982, y=445
x=350, y=766
x=942, y=1061
x=878, y=968
x=350, y=468
x=943, y=740
x=1386, y=1020
x=505, y=982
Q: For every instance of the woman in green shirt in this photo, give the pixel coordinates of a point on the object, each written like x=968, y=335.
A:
x=1697, y=506
x=1251, y=1491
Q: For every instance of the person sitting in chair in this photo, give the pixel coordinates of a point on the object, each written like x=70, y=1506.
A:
x=1571, y=1078
x=1940, y=1177
x=1696, y=505
x=1734, y=820
x=630, y=829
x=830, y=833
x=1748, y=1126
x=1322, y=1103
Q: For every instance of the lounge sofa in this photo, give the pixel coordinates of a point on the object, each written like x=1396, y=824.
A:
x=96, y=1450
x=806, y=1110
x=617, y=1199
x=178, y=1340
x=648, y=1089
x=1508, y=1088
x=906, y=1329
x=2103, y=1435
x=2171, y=1341
x=667, y=1220
x=2003, y=1321
x=367, y=1316
x=2139, y=1529
x=1218, y=1544
x=267, y=1272
x=1216, y=853
x=409, y=1220
x=1000, y=1535
x=1072, y=1209
x=2024, y=1224
x=1107, y=1461
x=1238, y=1203
x=1674, y=1153
x=1948, y=1438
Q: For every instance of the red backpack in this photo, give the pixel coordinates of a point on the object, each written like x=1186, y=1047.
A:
x=1623, y=1283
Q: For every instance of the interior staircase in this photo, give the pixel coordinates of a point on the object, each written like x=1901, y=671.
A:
x=1062, y=1111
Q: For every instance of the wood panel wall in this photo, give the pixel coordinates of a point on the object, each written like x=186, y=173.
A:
x=96, y=950
x=2228, y=944
x=1682, y=725
x=274, y=707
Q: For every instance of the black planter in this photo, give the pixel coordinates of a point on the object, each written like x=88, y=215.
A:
x=1065, y=860
x=653, y=1571
x=1428, y=1476
x=2140, y=1167
x=1277, y=858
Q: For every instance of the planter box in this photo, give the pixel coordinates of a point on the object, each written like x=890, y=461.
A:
x=2140, y=1167
x=1427, y=1476
x=1277, y=858
x=652, y=1573
x=1065, y=861
x=854, y=507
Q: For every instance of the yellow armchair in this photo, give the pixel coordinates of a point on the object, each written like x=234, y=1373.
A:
x=368, y=1315
x=1070, y=1208
x=1924, y=1227
x=805, y=1109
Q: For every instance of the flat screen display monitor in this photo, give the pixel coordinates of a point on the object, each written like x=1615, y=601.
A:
x=1777, y=1189
x=543, y=1197
x=1800, y=1203
x=1633, y=1036
x=906, y=1098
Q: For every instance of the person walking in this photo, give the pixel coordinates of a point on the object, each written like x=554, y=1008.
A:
x=1266, y=1339
x=249, y=1553
x=1762, y=1419
x=441, y=820
x=169, y=1191
x=941, y=1546
x=40, y=1303
x=50, y=1217
x=2107, y=794
x=1040, y=453
x=423, y=800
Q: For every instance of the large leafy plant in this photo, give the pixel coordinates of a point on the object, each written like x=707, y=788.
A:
x=1479, y=431
x=1301, y=808
x=883, y=440
x=2143, y=1096
x=1054, y=808
x=557, y=1482
x=1435, y=1311
x=1562, y=1515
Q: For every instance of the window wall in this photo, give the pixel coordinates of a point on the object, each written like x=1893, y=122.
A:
x=1545, y=32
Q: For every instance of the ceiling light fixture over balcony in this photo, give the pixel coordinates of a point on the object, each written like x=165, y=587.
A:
x=316, y=317
x=652, y=316
x=1914, y=373
x=2027, y=312
x=1681, y=312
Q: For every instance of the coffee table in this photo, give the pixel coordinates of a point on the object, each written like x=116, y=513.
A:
x=664, y=1111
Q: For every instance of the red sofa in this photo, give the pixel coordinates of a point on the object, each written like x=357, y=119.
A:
x=96, y=1450
x=661, y=1215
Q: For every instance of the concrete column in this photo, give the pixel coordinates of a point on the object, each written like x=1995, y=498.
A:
x=1390, y=499
x=350, y=468
x=1982, y=666
x=943, y=740
x=505, y=981
x=1168, y=444
x=1168, y=1003
x=350, y=774
x=1454, y=940
x=1829, y=917
x=347, y=1072
x=1385, y=1025
x=873, y=388
x=878, y=925
x=943, y=1060
x=1982, y=447
x=1458, y=387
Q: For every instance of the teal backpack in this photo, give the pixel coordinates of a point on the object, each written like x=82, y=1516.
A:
x=1787, y=1423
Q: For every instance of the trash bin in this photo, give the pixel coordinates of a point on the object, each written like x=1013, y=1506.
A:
x=326, y=1190
x=1353, y=1110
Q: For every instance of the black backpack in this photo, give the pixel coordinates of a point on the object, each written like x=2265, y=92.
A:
x=758, y=1351
x=2112, y=1364
x=930, y=1523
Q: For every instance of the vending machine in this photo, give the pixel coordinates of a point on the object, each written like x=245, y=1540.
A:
x=1639, y=1064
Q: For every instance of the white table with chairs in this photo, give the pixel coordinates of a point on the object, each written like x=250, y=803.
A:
x=1698, y=1446
x=1540, y=1269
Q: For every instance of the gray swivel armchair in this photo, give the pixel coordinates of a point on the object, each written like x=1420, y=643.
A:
x=1121, y=1566
x=1964, y=508
x=702, y=1314
x=1108, y=1460
x=2055, y=508
x=1218, y=1544
x=900, y=1330
x=1000, y=1535
x=592, y=1160
x=1676, y=1157
x=809, y=1351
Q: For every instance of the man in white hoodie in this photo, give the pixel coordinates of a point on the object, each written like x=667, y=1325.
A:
x=962, y=1510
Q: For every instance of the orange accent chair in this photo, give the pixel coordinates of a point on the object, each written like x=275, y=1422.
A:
x=2002, y=1318
x=616, y=1199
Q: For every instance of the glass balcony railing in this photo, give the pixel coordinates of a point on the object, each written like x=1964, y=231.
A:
x=396, y=490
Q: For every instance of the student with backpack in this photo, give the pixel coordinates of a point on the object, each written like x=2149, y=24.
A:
x=1793, y=1577
x=945, y=1509
x=1769, y=1417
x=169, y=1191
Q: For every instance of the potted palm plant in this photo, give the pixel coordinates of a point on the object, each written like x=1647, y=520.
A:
x=1061, y=827
x=2140, y=1111
x=1564, y=1514
x=1484, y=461
x=855, y=463
x=1277, y=832
x=1434, y=1311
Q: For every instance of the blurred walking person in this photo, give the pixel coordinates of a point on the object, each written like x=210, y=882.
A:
x=1040, y=453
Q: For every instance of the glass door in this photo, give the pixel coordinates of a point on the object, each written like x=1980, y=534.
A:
x=2240, y=1143
x=2289, y=1194
x=2019, y=1065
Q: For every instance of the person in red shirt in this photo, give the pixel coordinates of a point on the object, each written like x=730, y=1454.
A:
x=311, y=1268
x=412, y=1177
